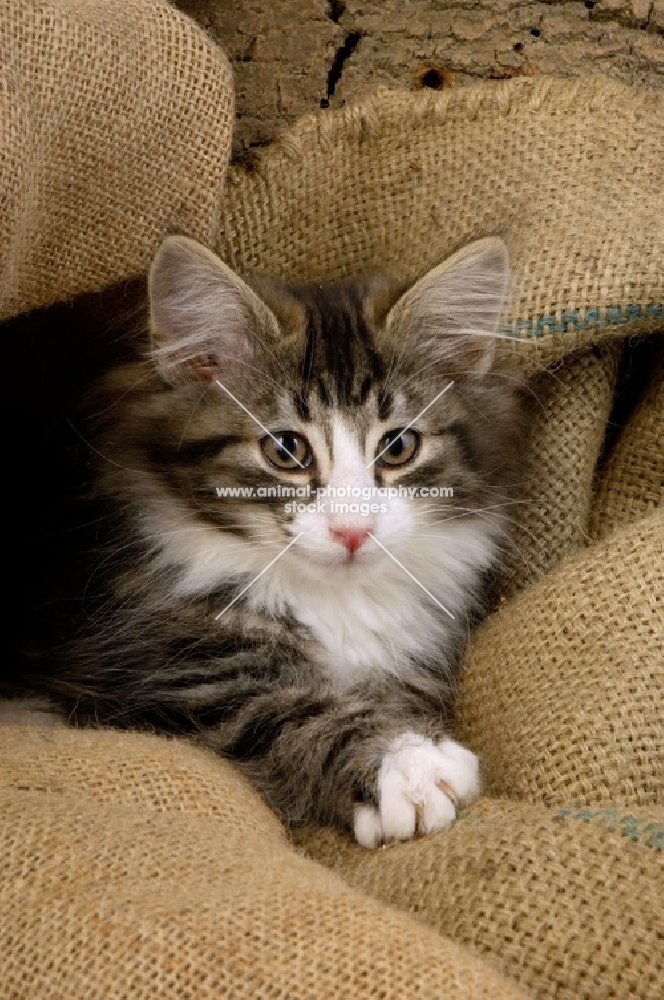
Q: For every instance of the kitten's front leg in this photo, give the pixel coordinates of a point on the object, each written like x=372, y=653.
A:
x=352, y=761
x=420, y=784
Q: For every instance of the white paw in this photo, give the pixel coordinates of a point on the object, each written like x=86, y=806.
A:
x=420, y=786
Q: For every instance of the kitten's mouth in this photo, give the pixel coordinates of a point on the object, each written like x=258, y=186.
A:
x=341, y=558
x=352, y=539
x=365, y=555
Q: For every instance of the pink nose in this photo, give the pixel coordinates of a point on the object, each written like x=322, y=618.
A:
x=351, y=538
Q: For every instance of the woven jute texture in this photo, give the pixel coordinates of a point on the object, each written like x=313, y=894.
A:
x=115, y=124
x=569, y=904
x=630, y=482
x=567, y=171
x=139, y=867
x=562, y=690
x=549, y=518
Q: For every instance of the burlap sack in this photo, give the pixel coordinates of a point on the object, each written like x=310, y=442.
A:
x=567, y=904
x=115, y=124
x=571, y=406
x=562, y=691
x=630, y=482
x=134, y=866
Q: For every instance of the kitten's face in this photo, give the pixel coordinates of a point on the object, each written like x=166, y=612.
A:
x=287, y=391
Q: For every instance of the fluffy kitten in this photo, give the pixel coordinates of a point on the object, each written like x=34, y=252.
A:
x=330, y=678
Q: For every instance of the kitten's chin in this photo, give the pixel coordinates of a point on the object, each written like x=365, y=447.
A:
x=339, y=558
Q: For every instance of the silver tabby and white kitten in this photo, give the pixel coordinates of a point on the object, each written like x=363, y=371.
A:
x=330, y=680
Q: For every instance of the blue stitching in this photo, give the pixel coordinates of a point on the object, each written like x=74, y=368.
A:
x=613, y=315
x=620, y=821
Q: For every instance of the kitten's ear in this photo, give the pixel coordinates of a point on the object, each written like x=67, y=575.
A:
x=203, y=317
x=380, y=294
x=452, y=313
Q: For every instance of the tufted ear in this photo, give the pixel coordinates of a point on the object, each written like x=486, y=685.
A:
x=452, y=313
x=203, y=317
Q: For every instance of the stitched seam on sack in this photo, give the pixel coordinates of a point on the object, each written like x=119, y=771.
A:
x=581, y=320
x=637, y=828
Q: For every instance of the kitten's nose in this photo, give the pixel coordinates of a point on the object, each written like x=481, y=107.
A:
x=351, y=538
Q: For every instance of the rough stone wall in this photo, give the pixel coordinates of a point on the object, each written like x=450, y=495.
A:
x=291, y=57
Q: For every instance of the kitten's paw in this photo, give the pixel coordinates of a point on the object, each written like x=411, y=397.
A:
x=420, y=786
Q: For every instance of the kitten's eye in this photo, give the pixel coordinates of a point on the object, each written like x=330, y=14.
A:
x=398, y=447
x=286, y=449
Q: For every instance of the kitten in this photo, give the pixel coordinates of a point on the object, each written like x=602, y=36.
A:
x=313, y=643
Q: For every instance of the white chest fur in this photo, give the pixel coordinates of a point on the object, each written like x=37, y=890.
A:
x=366, y=619
x=379, y=619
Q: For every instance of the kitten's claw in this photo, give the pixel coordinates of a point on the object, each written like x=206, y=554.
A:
x=420, y=786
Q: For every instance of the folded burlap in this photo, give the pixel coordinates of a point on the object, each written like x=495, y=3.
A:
x=630, y=481
x=137, y=866
x=568, y=172
x=562, y=690
x=115, y=123
x=568, y=903
x=549, y=517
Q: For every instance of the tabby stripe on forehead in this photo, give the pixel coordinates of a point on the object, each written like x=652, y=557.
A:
x=375, y=361
x=385, y=403
x=308, y=360
x=301, y=396
x=301, y=404
x=323, y=393
x=367, y=382
x=350, y=366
